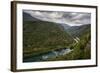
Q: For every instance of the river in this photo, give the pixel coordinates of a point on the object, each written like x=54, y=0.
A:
x=46, y=56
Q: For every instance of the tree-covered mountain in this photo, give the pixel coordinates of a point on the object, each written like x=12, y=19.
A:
x=78, y=31
x=82, y=48
x=42, y=36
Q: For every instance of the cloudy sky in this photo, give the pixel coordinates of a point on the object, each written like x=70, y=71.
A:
x=70, y=18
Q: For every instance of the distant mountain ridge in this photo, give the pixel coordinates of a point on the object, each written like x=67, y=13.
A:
x=77, y=31
x=28, y=17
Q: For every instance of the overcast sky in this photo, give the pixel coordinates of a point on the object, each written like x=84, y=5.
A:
x=70, y=18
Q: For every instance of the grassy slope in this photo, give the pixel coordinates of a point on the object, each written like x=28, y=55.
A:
x=40, y=36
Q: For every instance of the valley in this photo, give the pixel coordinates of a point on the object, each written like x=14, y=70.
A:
x=50, y=41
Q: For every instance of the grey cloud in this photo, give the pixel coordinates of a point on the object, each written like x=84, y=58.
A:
x=71, y=18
